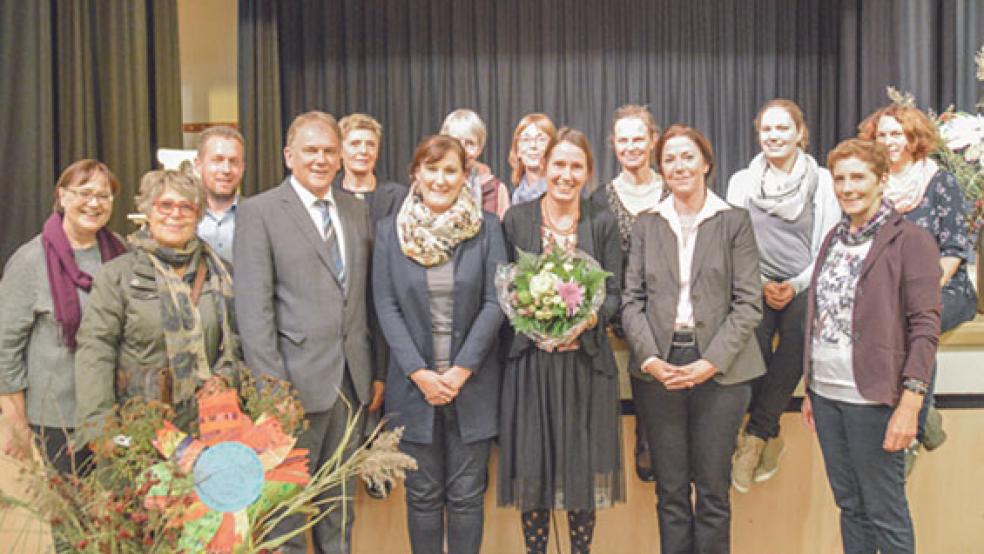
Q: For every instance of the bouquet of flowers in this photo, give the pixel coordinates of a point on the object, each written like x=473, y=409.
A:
x=551, y=298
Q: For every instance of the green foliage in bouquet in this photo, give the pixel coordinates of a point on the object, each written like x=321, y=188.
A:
x=551, y=293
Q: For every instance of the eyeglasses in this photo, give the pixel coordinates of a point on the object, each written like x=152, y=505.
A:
x=84, y=196
x=167, y=207
x=539, y=140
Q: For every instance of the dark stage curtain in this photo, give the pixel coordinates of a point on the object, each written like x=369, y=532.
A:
x=709, y=63
x=82, y=79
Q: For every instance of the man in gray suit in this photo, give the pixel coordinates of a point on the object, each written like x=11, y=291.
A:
x=301, y=270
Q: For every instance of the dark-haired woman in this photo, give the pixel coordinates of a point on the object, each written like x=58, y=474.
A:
x=691, y=303
x=45, y=287
x=559, y=439
x=434, y=266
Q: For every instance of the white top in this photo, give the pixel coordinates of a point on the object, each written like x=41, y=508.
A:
x=685, y=246
x=638, y=198
x=826, y=210
x=310, y=203
x=832, y=348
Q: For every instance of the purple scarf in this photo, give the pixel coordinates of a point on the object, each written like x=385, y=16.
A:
x=64, y=275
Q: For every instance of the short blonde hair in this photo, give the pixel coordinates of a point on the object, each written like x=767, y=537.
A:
x=355, y=121
x=155, y=183
x=314, y=116
x=472, y=122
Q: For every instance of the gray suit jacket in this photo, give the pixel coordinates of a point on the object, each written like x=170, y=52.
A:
x=403, y=306
x=725, y=292
x=296, y=321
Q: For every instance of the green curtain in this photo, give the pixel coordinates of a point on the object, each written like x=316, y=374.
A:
x=84, y=79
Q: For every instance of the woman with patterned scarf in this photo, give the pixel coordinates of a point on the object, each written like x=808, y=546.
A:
x=872, y=326
x=45, y=287
x=433, y=273
x=932, y=199
x=159, y=320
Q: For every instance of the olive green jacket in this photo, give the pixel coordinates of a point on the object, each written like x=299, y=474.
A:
x=121, y=352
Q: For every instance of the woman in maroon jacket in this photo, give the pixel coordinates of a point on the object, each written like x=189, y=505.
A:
x=872, y=327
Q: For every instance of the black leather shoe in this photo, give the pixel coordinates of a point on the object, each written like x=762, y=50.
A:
x=378, y=493
x=644, y=463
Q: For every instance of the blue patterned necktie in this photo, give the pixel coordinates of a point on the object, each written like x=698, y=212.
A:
x=331, y=240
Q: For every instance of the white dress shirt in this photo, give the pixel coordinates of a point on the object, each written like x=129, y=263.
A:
x=310, y=202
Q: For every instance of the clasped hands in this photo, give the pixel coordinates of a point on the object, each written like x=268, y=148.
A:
x=778, y=295
x=440, y=389
x=676, y=377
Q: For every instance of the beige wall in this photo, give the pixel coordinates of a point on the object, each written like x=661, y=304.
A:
x=207, y=41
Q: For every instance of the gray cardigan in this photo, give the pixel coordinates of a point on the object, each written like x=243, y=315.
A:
x=725, y=292
x=33, y=357
x=399, y=286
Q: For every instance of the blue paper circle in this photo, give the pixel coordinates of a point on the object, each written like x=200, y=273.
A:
x=228, y=476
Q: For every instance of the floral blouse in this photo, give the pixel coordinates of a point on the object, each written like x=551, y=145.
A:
x=943, y=212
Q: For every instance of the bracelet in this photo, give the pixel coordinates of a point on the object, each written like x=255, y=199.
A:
x=912, y=384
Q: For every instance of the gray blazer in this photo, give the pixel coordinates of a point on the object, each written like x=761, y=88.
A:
x=403, y=307
x=296, y=321
x=725, y=291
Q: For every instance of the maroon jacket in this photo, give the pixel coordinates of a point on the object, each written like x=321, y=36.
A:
x=896, y=310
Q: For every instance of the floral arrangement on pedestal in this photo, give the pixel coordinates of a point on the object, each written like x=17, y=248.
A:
x=218, y=487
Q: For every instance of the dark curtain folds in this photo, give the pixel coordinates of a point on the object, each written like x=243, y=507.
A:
x=708, y=63
x=86, y=79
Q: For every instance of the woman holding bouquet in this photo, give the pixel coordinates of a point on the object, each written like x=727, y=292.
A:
x=691, y=303
x=931, y=198
x=559, y=436
x=434, y=264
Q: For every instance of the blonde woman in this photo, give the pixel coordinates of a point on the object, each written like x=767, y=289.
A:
x=466, y=126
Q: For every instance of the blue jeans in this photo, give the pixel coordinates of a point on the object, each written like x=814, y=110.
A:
x=868, y=482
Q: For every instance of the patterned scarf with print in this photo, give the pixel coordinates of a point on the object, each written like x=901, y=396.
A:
x=429, y=238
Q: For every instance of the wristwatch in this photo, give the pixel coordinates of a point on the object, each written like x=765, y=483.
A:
x=915, y=385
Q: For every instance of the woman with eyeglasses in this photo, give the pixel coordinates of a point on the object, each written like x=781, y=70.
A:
x=159, y=319
x=45, y=286
x=526, y=156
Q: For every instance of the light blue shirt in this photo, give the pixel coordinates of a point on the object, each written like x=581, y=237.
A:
x=218, y=230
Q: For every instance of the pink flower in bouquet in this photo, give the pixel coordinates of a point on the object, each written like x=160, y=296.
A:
x=572, y=294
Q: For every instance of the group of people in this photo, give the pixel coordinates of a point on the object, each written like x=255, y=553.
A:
x=364, y=292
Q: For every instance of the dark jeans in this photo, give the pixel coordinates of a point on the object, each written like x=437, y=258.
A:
x=54, y=442
x=868, y=482
x=784, y=366
x=956, y=310
x=692, y=435
x=450, y=479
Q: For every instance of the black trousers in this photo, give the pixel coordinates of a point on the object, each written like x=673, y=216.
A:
x=784, y=366
x=692, y=438
x=448, y=484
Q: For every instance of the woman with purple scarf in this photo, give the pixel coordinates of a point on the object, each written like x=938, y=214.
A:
x=44, y=289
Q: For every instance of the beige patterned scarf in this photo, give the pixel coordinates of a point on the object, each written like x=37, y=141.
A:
x=429, y=238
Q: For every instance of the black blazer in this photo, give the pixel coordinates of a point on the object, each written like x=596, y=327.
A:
x=403, y=310
x=597, y=235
